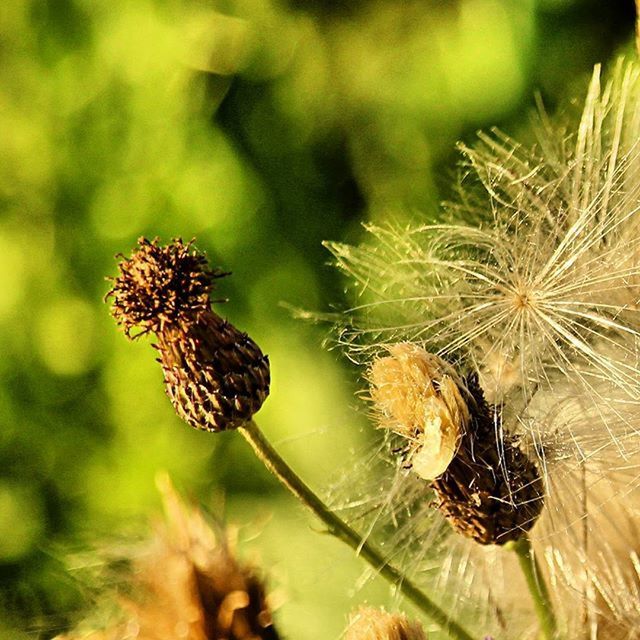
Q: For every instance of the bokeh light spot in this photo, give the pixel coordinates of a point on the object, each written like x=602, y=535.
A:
x=65, y=336
x=12, y=276
x=21, y=520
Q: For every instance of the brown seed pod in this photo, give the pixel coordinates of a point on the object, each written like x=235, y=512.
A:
x=215, y=376
x=491, y=491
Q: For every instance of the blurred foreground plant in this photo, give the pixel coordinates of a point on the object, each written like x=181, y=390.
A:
x=374, y=624
x=185, y=583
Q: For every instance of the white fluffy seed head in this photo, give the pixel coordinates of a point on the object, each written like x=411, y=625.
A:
x=551, y=267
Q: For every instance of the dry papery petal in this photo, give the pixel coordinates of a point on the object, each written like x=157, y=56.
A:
x=369, y=623
x=189, y=585
x=540, y=298
x=419, y=396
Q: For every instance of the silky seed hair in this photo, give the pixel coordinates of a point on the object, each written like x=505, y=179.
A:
x=215, y=376
x=538, y=295
x=550, y=270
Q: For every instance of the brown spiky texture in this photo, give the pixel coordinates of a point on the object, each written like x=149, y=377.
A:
x=491, y=492
x=215, y=376
x=376, y=624
x=161, y=286
x=188, y=584
x=486, y=487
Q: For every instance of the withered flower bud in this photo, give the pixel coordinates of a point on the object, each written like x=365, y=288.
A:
x=187, y=583
x=376, y=624
x=487, y=488
x=215, y=376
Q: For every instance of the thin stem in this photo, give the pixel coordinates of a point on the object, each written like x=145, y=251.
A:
x=537, y=587
x=638, y=26
x=340, y=529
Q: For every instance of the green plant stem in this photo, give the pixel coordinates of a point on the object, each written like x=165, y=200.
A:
x=341, y=530
x=537, y=587
x=638, y=27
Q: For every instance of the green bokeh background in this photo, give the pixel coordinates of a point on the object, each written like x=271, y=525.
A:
x=261, y=128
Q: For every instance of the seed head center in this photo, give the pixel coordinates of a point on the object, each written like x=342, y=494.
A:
x=523, y=299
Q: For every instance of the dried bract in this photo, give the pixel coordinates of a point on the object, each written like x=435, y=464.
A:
x=161, y=286
x=492, y=491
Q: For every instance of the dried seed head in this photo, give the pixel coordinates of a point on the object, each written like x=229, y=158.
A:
x=192, y=575
x=161, y=286
x=376, y=624
x=487, y=488
x=418, y=395
x=491, y=492
x=215, y=376
x=187, y=583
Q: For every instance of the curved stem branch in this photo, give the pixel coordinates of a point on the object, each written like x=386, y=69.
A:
x=341, y=530
x=537, y=587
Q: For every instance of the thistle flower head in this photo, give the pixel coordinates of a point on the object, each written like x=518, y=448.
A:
x=160, y=286
x=215, y=376
x=376, y=624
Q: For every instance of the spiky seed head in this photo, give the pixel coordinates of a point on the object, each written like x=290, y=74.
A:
x=161, y=286
x=418, y=395
x=376, y=624
x=215, y=376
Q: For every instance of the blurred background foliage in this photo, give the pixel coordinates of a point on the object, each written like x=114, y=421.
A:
x=261, y=128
